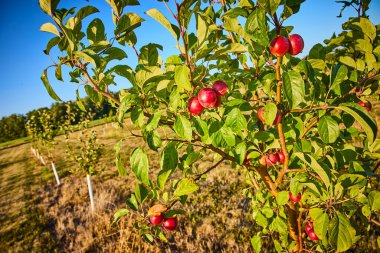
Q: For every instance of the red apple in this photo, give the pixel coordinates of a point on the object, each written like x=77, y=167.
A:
x=271, y=159
x=220, y=87
x=281, y=157
x=279, y=46
x=295, y=199
x=295, y=44
x=313, y=236
x=207, y=97
x=366, y=106
x=309, y=226
x=218, y=101
x=170, y=224
x=194, y=106
x=156, y=220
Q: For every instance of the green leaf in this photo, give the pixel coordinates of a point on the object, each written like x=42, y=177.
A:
x=202, y=30
x=282, y=198
x=185, y=186
x=363, y=117
x=85, y=12
x=182, y=78
x=92, y=94
x=294, y=87
x=128, y=22
x=148, y=238
x=48, y=6
x=132, y=203
x=52, y=43
x=318, y=167
x=328, y=129
x=169, y=161
x=158, y=16
x=86, y=57
x=182, y=127
x=50, y=28
x=58, y=72
x=347, y=60
x=141, y=193
x=374, y=200
x=341, y=75
x=139, y=165
x=279, y=225
x=153, y=121
x=119, y=164
x=95, y=31
x=240, y=152
x=269, y=113
x=320, y=218
x=48, y=87
x=119, y=214
x=341, y=233
x=153, y=140
x=256, y=243
x=236, y=120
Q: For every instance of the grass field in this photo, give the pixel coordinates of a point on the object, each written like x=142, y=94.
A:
x=38, y=216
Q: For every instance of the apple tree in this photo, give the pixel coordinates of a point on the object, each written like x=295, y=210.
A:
x=301, y=128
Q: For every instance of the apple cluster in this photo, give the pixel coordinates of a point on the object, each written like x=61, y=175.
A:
x=169, y=224
x=157, y=217
x=309, y=229
x=272, y=158
x=280, y=45
x=207, y=98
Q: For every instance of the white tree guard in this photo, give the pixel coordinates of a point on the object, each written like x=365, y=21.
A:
x=55, y=173
x=90, y=192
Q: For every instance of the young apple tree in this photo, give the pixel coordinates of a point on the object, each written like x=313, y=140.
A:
x=42, y=131
x=238, y=88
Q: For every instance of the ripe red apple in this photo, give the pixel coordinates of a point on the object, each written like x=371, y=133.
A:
x=170, y=224
x=207, y=97
x=220, y=87
x=309, y=226
x=295, y=199
x=218, y=101
x=366, y=106
x=281, y=157
x=313, y=236
x=271, y=159
x=156, y=220
x=295, y=44
x=279, y=46
x=194, y=106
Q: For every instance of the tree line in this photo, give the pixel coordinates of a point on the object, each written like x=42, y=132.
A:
x=14, y=126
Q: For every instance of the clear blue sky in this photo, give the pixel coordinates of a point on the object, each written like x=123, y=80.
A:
x=21, y=44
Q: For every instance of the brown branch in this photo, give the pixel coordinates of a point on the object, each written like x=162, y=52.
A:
x=374, y=221
x=96, y=87
x=353, y=90
x=300, y=229
x=209, y=169
x=323, y=107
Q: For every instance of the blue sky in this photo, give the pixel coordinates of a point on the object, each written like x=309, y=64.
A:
x=21, y=44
